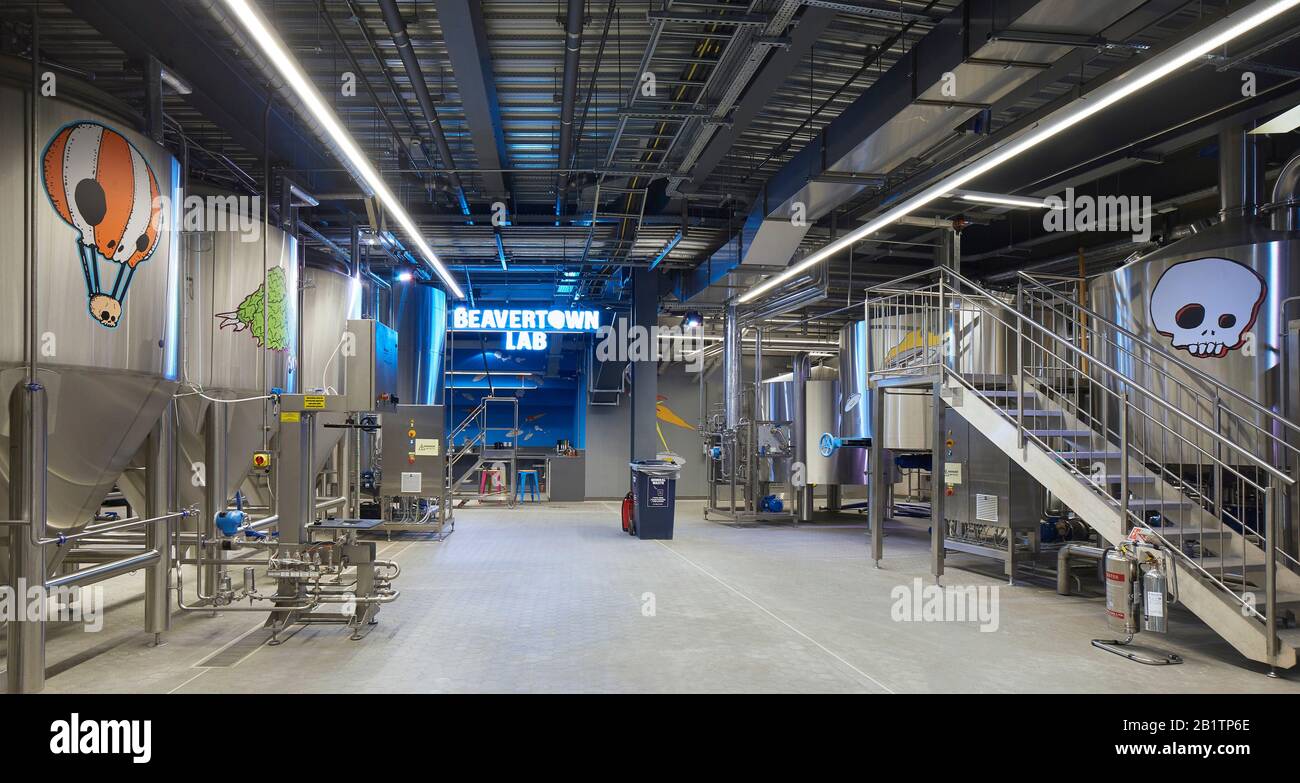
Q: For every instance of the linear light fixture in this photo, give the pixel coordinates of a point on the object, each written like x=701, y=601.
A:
x=1002, y=200
x=1285, y=122
x=1136, y=79
x=288, y=68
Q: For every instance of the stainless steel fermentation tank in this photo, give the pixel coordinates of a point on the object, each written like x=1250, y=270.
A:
x=1223, y=287
x=894, y=340
x=226, y=356
x=106, y=386
x=1217, y=300
x=820, y=403
x=329, y=299
x=422, y=324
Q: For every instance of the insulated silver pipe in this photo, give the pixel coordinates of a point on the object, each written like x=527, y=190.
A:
x=1286, y=197
x=89, y=576
x=214, y=489
x=731, y=389
x=1063, y=562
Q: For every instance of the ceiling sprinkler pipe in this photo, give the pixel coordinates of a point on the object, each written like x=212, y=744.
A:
x=402, y=40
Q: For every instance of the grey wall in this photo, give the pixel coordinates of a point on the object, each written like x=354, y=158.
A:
x=608, y=429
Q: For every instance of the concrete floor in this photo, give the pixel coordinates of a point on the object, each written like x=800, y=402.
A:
x=550, y=598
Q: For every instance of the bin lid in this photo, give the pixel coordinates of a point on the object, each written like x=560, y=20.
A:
x=655, y=467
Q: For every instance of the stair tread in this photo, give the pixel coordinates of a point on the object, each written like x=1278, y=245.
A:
x=1182, y=531
x=1034, y=412
x=1060, y=433
x=1086, y=454
x=1158, y=503
x=1289, y=636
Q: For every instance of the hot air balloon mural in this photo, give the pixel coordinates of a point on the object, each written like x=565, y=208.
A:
x=102, y=186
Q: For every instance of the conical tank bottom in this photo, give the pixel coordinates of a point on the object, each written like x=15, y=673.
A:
x=97, y=419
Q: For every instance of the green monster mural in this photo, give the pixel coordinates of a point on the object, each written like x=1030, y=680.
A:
x=249, y=313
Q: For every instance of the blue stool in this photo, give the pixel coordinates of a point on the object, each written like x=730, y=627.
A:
x=528, y=481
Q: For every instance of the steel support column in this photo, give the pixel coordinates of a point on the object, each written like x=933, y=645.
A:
x=645, y=374
x=28, y=466
x=938, y=453
x=876, y=476
x=804, y=495
x=160, y=499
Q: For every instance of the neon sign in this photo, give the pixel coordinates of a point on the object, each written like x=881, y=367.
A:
x=525, y=329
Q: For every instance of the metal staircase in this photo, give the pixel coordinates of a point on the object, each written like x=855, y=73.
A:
x=1121, y=430
x=466, y=459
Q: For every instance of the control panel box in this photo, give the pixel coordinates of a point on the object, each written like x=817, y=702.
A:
x=414, y=451
x=369, y=358
x=982, y=485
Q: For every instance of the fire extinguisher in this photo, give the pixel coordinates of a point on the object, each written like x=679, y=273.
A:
x=627, y=515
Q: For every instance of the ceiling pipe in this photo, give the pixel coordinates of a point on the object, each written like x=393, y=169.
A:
x=397, y=28
x=1241, y=174
x=568, y=96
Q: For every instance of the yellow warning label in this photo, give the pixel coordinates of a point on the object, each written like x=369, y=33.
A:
x=313, y=401
x=292, y=416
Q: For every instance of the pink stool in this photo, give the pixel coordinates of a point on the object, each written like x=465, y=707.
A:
x=495, y=474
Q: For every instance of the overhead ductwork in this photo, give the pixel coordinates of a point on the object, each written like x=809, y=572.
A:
x=969, y=61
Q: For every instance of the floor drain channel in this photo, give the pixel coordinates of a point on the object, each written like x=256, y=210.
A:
x=237, y=651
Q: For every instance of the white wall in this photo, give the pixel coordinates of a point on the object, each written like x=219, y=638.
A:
x=608, y=429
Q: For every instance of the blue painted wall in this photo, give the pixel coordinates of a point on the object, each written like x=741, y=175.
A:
x=552, y=405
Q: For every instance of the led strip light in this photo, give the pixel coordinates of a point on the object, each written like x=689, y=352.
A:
x=287, y=66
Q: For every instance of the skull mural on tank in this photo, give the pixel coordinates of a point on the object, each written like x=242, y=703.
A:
x=1207, y=306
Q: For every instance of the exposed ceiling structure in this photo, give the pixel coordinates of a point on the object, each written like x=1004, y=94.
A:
x=687, y=134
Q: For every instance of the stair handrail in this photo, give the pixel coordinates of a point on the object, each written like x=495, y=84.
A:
x=1164, y=353
x=1124, y=379
x=1271, y=494
x=465, y=422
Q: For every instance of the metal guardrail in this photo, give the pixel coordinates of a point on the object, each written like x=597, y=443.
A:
x=481, y=419
x=1190, y=450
